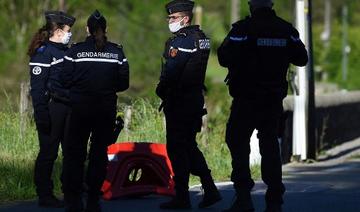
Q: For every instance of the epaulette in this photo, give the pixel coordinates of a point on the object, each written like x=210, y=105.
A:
x=41, y=49
x=182, y=34
x=117, y=45
x=240, y=22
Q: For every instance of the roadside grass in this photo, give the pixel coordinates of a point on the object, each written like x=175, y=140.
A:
x=17, y=155
x=18, y=151
x=355, y=157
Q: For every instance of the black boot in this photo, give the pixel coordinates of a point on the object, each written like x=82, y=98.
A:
x=211, y=193
x=243, y=203
x=180, y=201
x=50, y=202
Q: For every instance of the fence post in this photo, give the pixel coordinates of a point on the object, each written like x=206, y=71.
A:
x=198, y=15
x=127, y=119
x=24, y=105
x=62, y=6
x=205, y=128
x=235, y=11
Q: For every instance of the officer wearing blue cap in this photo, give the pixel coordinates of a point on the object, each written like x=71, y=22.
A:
x=94, y=71
x=181, y=88
x=49, y=97
x=258, y=51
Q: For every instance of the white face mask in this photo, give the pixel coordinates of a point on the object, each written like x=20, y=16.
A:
x=176, y=26
x=66, y=38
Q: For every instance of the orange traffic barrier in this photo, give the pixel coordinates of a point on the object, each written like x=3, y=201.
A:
x=138, y=169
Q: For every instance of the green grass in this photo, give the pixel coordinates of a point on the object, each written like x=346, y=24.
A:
x=18, y=151
x=355, y=157
x=17, y=155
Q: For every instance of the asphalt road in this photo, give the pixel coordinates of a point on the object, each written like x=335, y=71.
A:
x=332, y=185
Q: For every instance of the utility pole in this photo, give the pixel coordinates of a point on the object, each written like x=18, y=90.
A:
x=345, y=46
x=311, y=119
x=235, y=11
x=326, y=34
x=300, y=143
x=304, y=144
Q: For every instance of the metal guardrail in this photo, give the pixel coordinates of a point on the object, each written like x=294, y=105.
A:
x=337, y=121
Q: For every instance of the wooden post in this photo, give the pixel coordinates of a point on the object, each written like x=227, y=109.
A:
x=62, y=5
x=204, y=127
x=23, y=108
x=235, y=8
x=198, y=15
x=127, y=119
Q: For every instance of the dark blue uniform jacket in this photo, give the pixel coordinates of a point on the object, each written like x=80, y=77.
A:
x=91, y=75
x=45, y=69
x=186, y=56
x=182, y=78
x=258, y=51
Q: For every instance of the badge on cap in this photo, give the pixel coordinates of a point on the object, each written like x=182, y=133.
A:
x=36, y=70
x=173, y=52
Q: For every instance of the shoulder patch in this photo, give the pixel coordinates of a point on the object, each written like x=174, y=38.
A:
x=41, y=49
x=117, y=45
x=204, y=43
x=173, y=52
x=36, y=70
x=242, y=23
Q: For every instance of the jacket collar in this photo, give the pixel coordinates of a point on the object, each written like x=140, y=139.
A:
x=60, y=46
x=90, y=39
x=188, y=29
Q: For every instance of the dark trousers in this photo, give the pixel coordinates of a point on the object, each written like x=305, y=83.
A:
x=96, y=119
x=264, y=115
x=49, y=146
x=182, y=149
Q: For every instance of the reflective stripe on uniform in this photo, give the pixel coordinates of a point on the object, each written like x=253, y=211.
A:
x=238, y=38
x=69, y=58
x=57, y=61
x=97, y=60
x=295, y=39
x=47, y=65
x=40, y=64
x=187, y=50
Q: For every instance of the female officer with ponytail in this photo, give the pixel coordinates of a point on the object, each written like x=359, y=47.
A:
x=49, y=98
x=95, y=70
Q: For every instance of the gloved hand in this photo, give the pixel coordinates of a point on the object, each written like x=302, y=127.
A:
x=162, y=91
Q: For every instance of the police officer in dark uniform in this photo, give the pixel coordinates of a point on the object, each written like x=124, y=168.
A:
x=95, y=70
x=257, y=52
x=50, y=98
x=181, y=88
